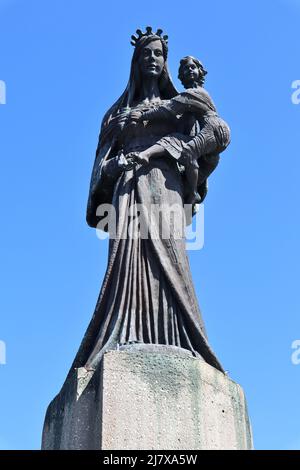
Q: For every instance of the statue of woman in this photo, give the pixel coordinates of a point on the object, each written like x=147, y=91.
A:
x=147, y=294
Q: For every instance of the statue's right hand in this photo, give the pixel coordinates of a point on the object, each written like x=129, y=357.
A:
x=113, y=167
x=122, y=162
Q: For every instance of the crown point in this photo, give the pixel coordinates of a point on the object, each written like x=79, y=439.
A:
x=149, y=32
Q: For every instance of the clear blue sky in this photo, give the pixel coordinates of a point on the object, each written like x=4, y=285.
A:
x=64, y=63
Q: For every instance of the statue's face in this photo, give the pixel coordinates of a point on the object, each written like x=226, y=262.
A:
x=152, y=60
x=190, y=73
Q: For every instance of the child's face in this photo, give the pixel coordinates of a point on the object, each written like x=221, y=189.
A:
x=190, y=73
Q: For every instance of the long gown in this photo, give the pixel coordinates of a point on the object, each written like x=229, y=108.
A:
x=147, y=294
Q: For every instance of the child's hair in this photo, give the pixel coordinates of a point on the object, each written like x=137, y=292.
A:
x=201, y=69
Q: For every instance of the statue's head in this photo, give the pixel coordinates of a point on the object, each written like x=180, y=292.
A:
x=191, y=71
x=149, y=60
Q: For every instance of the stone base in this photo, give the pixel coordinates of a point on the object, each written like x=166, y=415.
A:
x=148, y=399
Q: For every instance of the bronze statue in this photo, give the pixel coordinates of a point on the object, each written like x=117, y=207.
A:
x=156, y=146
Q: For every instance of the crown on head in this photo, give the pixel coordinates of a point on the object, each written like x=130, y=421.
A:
x=135, y=39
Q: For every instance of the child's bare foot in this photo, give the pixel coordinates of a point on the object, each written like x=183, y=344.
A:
x=193, y=198
x=140, y=157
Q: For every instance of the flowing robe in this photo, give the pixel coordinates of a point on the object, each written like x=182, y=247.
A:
x=147, y=294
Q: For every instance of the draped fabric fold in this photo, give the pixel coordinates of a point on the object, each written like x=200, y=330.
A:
x=147, y=294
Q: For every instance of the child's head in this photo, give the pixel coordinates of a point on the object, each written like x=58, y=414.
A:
x=191, y=71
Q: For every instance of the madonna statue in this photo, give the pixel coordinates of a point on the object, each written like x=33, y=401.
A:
x=156, y=148
x=147, y=296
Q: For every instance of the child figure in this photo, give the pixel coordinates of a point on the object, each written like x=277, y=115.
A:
x=199, y=154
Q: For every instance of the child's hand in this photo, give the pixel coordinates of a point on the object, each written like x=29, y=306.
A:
x=138, y=157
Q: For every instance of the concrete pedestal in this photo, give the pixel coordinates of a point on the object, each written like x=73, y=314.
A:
x=160, y=399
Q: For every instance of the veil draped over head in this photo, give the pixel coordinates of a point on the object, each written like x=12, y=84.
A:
x=131, y=93
x=98, y=193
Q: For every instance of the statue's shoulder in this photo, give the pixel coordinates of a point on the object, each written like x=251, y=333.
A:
x=196, y=99
x=195, y=93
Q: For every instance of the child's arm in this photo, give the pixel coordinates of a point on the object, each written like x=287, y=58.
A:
x=159, y=112
x=166, y=111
